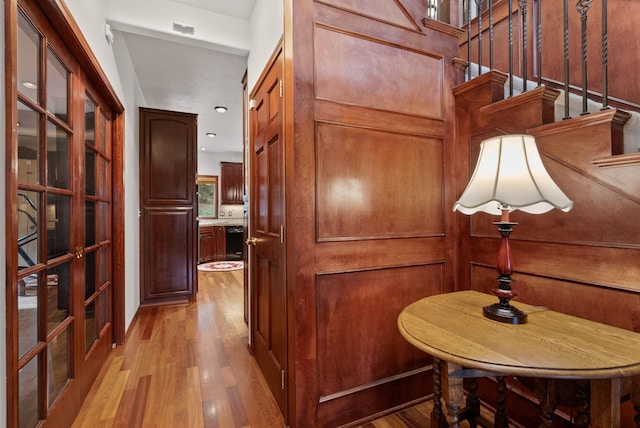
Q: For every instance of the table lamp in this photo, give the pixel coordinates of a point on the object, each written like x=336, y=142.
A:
x=509, y=176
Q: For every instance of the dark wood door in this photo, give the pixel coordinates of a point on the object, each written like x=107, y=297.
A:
x=168, y=205
x=268, y=287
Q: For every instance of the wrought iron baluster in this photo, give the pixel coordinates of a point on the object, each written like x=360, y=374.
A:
x=539, y=42
x=605, y=57
x=491, y=34
x=583, y=7
x=433, y=9
x=523, y=12
x=566, y=60
x=468, y=39
x=479, y=13
x=510, y=49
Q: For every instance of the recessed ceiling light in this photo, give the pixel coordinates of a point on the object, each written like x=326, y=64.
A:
x=29, y=85
x=211, y=134
x=220, y=109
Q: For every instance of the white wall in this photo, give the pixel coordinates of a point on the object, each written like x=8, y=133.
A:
x=267, y=27
x=209, y=162
x=156, y=17
x=91, y=18
x=132, y=98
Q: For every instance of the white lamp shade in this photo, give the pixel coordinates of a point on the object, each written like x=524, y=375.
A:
x=510, y=175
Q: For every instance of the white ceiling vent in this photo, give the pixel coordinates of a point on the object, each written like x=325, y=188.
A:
x=183, y=28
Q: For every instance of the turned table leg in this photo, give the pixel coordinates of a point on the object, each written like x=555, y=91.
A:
x=501, y=417
x=453, y=393
x=545, y=390
x=605, y=403
x=635, y=399
x=473, y=403
x=437, y=416
x=582, y=407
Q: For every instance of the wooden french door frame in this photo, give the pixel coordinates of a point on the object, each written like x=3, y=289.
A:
x=71, y=36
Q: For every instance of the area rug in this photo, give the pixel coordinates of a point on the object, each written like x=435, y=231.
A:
x=220, y=266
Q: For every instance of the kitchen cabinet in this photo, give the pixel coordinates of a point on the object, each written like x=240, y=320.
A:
x=213, y=245
x=207, y=244
x=231, y=182
x=220, y=235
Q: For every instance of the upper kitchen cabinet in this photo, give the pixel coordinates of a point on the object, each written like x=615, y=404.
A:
x=231, y=183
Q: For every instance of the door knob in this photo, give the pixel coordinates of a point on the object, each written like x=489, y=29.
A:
x=252, y=241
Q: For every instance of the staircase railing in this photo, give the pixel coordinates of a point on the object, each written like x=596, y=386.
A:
x=525, y=7
x=508, y=36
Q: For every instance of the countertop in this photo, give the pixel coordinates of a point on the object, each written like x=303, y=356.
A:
x=221, y=222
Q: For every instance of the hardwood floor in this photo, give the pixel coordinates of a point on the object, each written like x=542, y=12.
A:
x=189, y=366
x=185, y=366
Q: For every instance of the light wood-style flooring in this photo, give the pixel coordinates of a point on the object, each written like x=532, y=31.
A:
x=185, y=366
x=189, y=366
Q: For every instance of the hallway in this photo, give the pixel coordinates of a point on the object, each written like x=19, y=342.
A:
x=185, y=366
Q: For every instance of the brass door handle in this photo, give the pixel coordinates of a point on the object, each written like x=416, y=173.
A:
x=79, y=252
x=252, y=241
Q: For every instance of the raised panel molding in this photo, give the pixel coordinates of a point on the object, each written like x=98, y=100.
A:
x=391, y=12
x=355, y=201
x=352, y=303
x=171, y=260
x=348, y=66
x=166, y=184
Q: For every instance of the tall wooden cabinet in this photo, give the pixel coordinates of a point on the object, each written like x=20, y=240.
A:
x=168, y=229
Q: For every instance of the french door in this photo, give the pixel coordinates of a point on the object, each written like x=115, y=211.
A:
x=60, y=248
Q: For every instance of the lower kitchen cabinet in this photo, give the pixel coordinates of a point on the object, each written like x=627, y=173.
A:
x=213, y=245
x=220, y=234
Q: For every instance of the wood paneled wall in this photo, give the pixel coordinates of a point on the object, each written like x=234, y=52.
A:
x=369, y=108
x=381, y=136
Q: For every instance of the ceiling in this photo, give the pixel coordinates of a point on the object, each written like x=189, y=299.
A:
x=181, y=76
x=237, y=8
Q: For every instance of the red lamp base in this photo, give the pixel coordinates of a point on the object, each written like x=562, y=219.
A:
x=503, y=311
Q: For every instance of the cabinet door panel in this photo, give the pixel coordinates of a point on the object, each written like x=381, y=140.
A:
x=231, y=183
x=220, y=234
x=207, y=244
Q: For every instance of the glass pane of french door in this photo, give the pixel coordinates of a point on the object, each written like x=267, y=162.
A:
x=28, y=52
x=97, y=220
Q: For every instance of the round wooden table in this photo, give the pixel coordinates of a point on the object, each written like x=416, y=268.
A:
x=549, y=346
